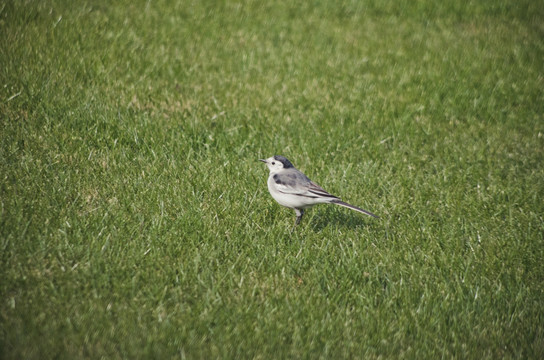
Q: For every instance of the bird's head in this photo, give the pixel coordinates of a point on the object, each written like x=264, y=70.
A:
x=277, y=163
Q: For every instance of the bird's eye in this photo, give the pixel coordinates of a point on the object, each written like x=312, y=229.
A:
x=273, y=163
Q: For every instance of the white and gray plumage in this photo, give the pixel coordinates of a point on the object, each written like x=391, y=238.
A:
x=292, y=189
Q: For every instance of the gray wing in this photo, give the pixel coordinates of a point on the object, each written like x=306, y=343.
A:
x=296, y=183
x=319, y=191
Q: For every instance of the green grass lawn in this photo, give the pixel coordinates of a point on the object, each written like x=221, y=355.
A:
x=135, y=220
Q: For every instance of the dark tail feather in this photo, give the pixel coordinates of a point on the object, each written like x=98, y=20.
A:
x=341, y=203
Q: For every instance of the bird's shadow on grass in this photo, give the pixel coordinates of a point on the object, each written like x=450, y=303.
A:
x=322, y=218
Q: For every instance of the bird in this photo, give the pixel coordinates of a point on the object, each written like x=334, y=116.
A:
x=292, y=189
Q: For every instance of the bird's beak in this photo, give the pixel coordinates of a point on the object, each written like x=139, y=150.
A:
x=263, y=160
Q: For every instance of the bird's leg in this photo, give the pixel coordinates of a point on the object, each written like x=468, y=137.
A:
x=299, y=213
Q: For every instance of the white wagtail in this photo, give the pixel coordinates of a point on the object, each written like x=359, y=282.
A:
x=292, y=189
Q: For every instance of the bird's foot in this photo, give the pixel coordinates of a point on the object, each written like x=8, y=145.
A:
x=299, y=213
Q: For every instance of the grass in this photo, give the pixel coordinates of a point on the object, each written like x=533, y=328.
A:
x=135, y=220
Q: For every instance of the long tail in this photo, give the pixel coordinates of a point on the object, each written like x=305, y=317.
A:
x=344, y=204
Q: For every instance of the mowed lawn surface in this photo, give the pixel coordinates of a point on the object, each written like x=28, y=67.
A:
x=135, y=221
